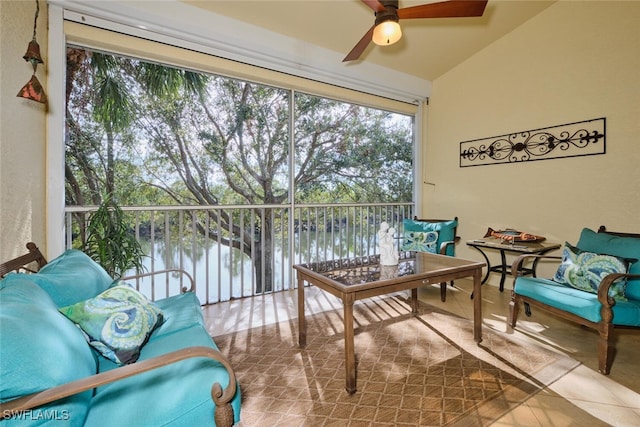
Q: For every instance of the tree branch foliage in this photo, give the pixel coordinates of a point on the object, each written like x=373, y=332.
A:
x=153, y=134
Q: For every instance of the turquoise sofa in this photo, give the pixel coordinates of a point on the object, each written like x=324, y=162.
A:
x=50, y=375
x=597, y=285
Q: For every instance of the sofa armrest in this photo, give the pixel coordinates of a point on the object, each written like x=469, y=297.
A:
x=183, y=289
x=21, y=262
x=222, y=398
x=606, y=311
x=606, y=283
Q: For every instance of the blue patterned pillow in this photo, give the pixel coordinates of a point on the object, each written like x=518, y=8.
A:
x=117, y=322
x=425, y=236
x=585, y=270
x=420, y=241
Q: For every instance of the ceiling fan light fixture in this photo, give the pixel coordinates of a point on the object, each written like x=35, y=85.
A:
x=387, y=32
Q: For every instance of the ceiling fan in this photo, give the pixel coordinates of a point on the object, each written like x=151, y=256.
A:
x=386, y=29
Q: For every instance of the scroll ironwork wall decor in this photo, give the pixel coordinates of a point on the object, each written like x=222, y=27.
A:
x=569, y=140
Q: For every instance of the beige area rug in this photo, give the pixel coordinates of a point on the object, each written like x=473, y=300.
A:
x=411, y=370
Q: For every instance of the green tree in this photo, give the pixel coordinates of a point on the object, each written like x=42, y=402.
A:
x=208, y=140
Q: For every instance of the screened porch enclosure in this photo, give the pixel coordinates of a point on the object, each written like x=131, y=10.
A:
x=235, y=176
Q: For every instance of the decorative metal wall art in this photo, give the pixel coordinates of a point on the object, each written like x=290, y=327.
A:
x=569, y=140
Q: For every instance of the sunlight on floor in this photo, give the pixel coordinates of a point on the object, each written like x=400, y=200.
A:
x=581, y=397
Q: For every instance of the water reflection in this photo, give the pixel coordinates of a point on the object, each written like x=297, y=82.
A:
x=222, y=273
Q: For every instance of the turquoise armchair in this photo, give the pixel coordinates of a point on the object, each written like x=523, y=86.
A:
x=597, y=286
x=431, y=235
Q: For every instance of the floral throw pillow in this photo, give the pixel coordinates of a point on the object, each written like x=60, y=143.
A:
x=420, y=241
x=117, y=322
x=426, y=236
x=585, y=270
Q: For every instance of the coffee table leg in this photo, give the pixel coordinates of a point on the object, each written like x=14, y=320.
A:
x=349, y=350
x=477, y=306
x=302, y=324
x=414, y=300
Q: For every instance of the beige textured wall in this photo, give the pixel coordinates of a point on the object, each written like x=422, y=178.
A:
x=575, y=61
x=22, y=131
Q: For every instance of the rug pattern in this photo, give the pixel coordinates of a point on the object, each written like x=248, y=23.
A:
x=411, y=370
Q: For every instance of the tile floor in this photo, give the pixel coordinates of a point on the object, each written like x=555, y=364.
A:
x=577, y=399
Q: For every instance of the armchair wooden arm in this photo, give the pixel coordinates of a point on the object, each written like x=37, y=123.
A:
x=603, y=293
x=445, y=245
x=516, y=266
x=222, y=398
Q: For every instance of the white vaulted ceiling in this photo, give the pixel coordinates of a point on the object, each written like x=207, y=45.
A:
x=309, y=38
x=428, y=48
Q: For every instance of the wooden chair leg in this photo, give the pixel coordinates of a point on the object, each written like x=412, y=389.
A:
x=514, y=309
x=443, y=291
x=606, y=348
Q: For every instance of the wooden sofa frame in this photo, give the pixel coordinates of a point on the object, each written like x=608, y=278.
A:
x=606, y=342
x=23, y=263
x=223, y=415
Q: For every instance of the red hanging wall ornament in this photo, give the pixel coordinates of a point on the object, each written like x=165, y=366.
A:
x=33, y=89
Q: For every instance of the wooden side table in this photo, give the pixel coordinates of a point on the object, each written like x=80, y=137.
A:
x=536, y=248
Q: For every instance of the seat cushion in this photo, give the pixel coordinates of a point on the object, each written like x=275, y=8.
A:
x=624, y=247
x=576, y=301
x=72, y=277
x=178, y=394
x=425, y=236
x=179, y=312
x=40, y=348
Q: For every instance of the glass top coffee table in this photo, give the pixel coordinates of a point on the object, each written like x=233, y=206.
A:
x=360, y=278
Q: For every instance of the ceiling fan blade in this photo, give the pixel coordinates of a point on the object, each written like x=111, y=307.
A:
x=444, y=9
x=374, y=4
x=360, y=46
